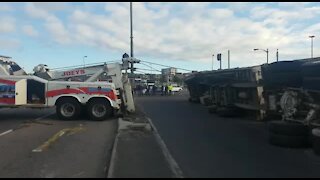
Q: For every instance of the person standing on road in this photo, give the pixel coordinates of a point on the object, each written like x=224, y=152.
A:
x=166, y=90
x=162, y=90
x=170, y=87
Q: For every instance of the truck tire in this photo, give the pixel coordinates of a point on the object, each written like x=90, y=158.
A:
x=316, y=140
x=287, y=141
x=99, y=109
x=68, y=109
x=288, y=128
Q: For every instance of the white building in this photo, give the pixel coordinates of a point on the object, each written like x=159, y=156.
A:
x=169, y=71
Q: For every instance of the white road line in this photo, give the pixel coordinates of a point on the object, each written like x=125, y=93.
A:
x=171, y=161
x=6, y=132
x=11, y=130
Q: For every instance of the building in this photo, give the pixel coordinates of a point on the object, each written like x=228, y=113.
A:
x=169, y=71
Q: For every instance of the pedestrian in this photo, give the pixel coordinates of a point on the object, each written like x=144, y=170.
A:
x=170, y=87
x=162, y=90
x=166, y=90
x=154, y=90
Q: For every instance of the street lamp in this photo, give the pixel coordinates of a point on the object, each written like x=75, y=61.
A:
x=267, y=51
x=212, y=61
x=84, y=64
x=311, y=45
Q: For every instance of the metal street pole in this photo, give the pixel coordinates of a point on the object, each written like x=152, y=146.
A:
x=277, y=55
x=267, y=56
x=220, y=62
x=311, y=45
x=228, y=59
x=131, y=37
x=212, y=61
x=267, y=51
x=84, y=63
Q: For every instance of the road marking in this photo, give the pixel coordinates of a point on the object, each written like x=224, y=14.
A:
x=171, y=161
x=6, y=132
x=54, y=138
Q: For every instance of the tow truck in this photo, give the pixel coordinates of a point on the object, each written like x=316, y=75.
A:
x=46, y=88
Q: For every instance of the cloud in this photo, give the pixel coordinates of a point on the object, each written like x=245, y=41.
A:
x=30, y=31
x=5, y=8
x=7, y=24
x=35, y=12
x=187, y=31
x=10, y=43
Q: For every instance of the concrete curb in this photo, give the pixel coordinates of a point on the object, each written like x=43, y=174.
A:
x=124, y=125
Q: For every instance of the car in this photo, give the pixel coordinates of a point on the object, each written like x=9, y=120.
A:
x=176, y=88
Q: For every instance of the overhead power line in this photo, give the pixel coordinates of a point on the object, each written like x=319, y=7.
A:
x=166, y=65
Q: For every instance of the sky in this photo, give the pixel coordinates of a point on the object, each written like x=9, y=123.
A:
x=179, y=34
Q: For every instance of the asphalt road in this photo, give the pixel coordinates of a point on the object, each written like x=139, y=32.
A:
x=205, y=145
x=41, y=145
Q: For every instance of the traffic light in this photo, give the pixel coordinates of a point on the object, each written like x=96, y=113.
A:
x=219, y=57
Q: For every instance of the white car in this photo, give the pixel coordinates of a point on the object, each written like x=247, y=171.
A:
x=176, y=89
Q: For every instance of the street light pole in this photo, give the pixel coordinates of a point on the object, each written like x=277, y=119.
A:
x=84, y=63
x=311, y=45
x=131, y=37
x=212, y=61
x=267, y=51
x=267, y=56
x=228, y=59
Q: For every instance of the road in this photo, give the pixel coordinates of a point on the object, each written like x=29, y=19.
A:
x=205, y=145
x=35, y=143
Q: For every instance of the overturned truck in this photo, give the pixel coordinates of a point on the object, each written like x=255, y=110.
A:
x=286, y=90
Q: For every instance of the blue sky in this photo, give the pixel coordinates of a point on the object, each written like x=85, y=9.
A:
x=176, y=34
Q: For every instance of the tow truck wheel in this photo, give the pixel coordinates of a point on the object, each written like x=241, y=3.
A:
x=68, y=109
x=99, y=109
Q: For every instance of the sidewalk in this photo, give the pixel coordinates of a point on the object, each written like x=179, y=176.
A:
x=137, y=152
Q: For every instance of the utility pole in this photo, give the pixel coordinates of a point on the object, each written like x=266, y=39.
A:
x=228, y=59
x=277, y=55
x=219, y=59
x=131, y=37
x=212, y=61
x=267, y=56
x=311, y=45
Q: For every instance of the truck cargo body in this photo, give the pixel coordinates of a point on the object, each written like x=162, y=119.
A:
x=287, y=88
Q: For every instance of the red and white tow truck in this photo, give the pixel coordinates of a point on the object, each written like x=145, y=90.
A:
x=99, y=99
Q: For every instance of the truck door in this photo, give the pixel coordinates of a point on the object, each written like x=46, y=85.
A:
x=21, y=92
